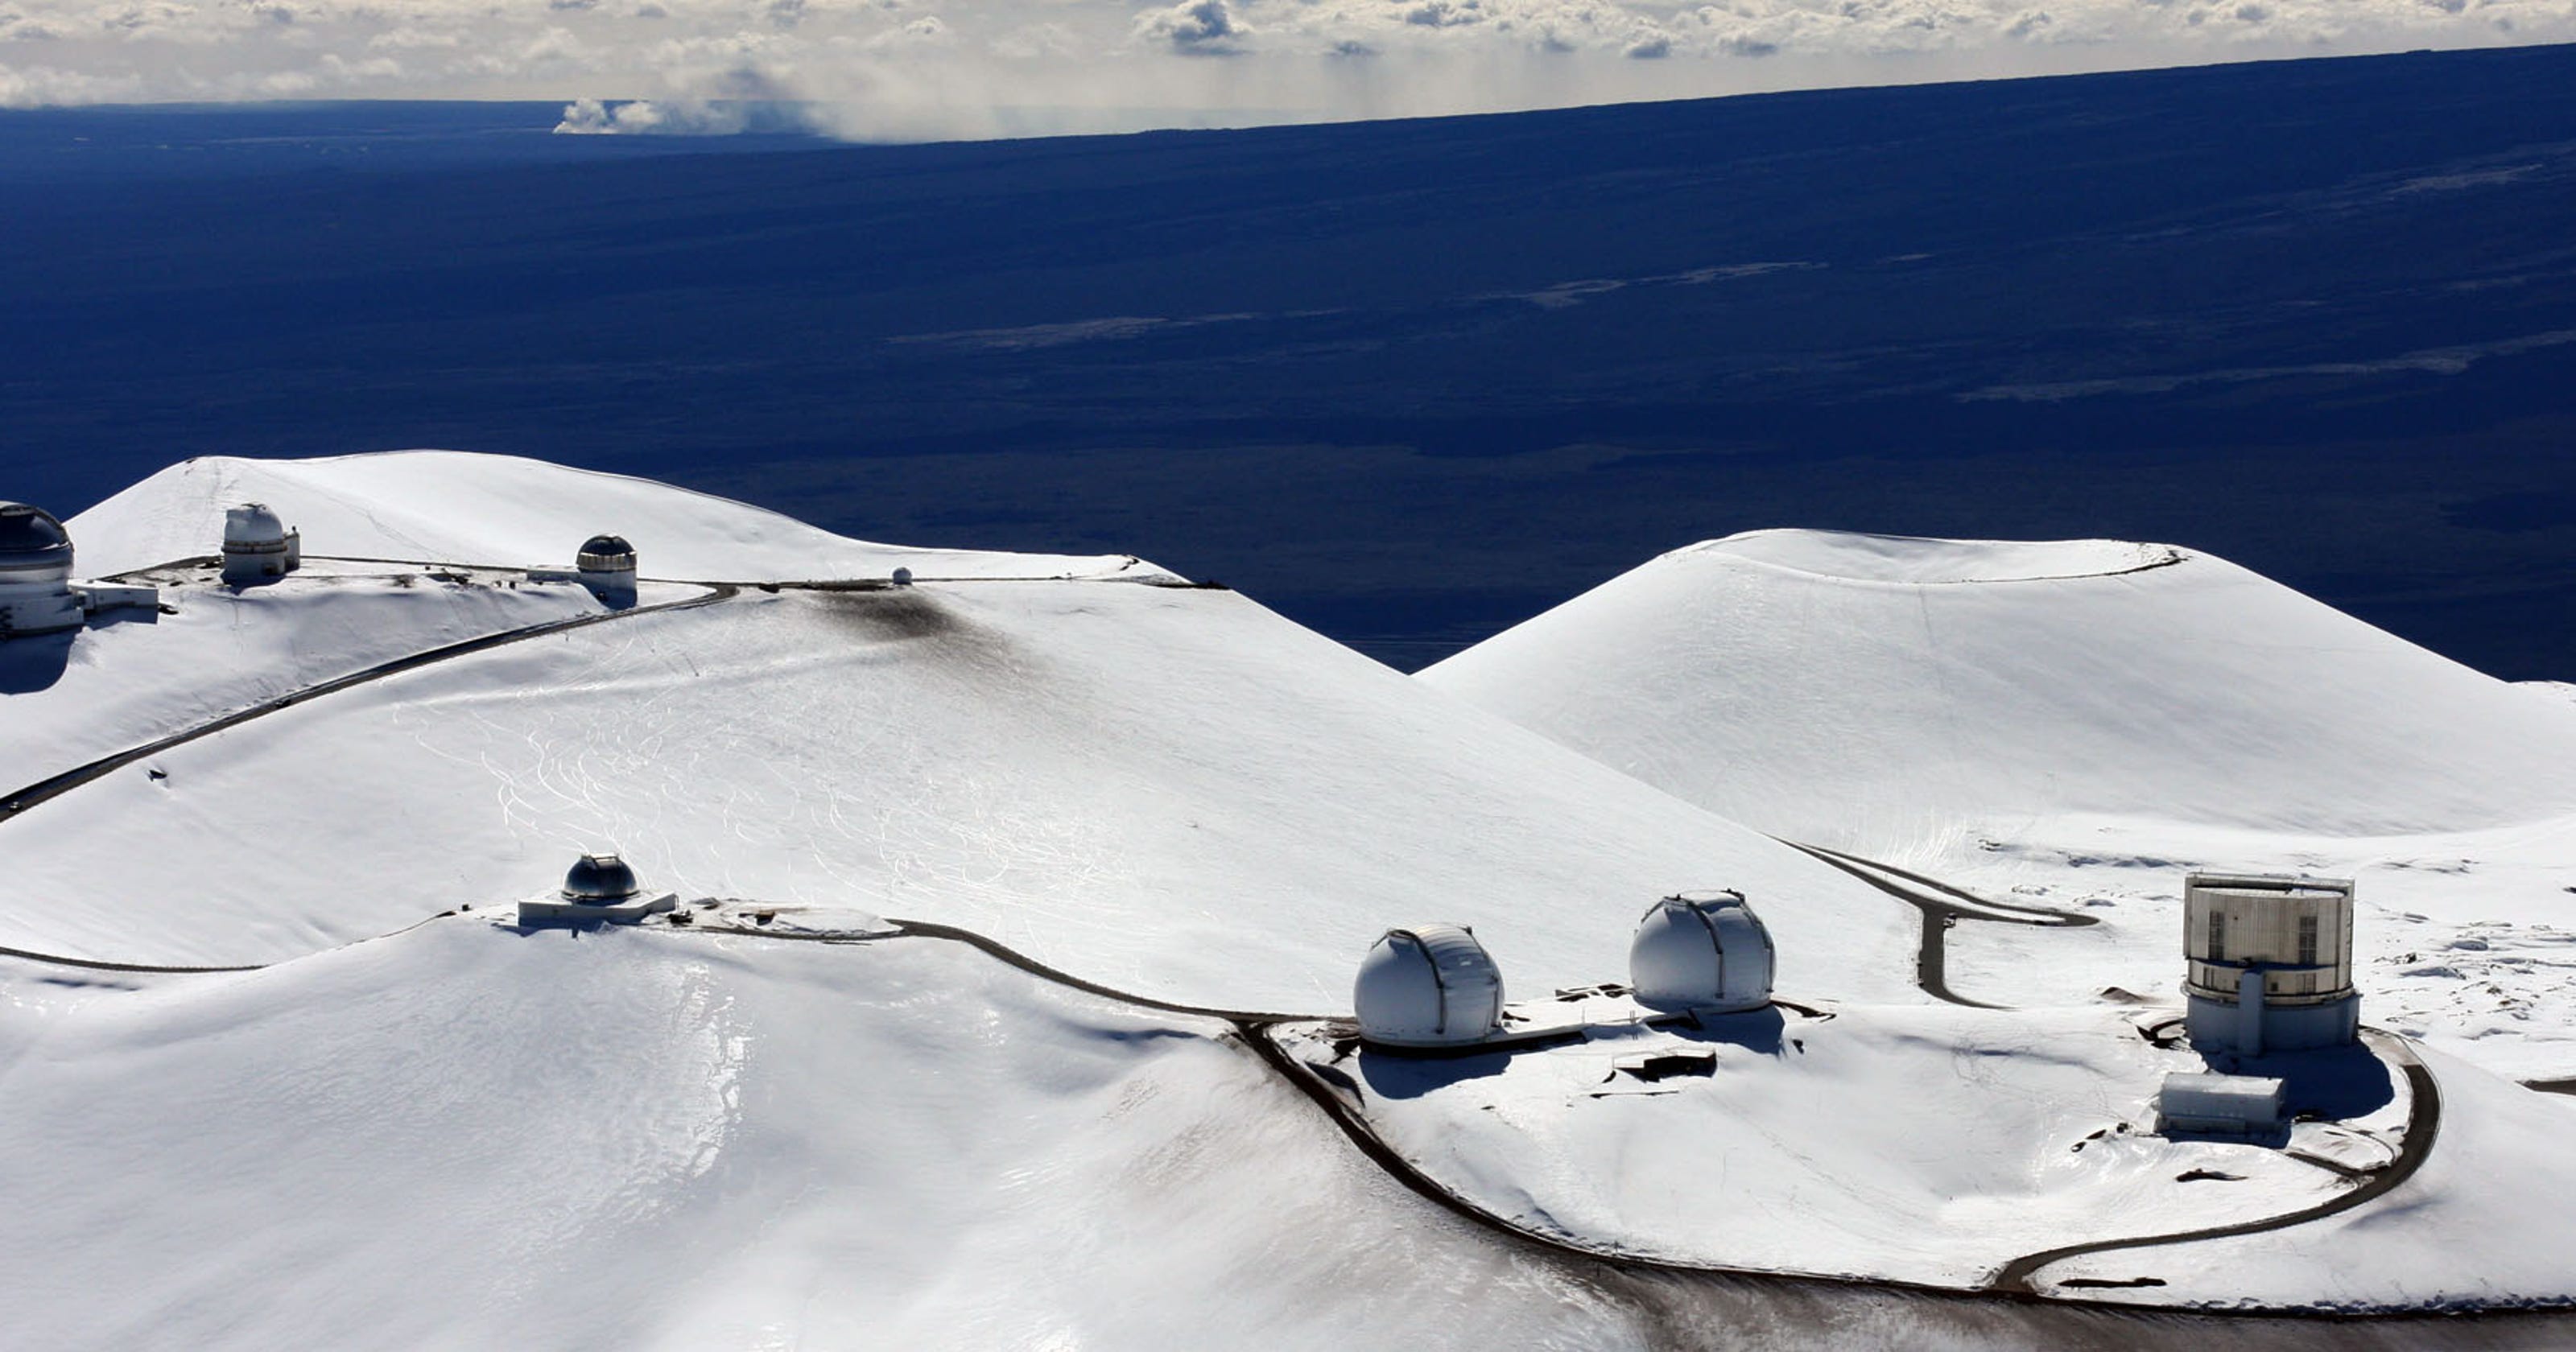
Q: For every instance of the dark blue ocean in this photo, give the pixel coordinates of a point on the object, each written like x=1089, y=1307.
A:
x=1407, y=382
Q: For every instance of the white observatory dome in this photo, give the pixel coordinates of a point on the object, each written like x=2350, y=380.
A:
x=257, y=545
x=1701, y=951
x=254, y=524
x=1428, y=986
x=35, y=573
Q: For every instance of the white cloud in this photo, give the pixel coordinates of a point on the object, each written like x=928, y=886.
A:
x=926, y=31
x=1000, y=67
x=646, y=117
x=1194, y=28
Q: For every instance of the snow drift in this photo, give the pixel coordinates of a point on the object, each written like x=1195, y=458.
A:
x=462, y=1137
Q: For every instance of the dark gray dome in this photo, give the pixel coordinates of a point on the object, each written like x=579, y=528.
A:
x=30, y=530
x=601, y=879
x=608, y=544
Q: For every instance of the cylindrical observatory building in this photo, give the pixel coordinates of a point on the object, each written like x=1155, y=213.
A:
x=2268, y=963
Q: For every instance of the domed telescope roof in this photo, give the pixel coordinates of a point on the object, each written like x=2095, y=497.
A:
x=1702, y=951
x=258, y=546
x=31, y=535
x=606, y=553
x=601, y=880
x=253, y=525
x=1428, y=986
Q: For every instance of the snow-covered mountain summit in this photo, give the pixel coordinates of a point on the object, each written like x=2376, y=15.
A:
x=1146, y=782
x=2082, y=721
x=467, y=507
x=1006, y=999
x=1877, y=691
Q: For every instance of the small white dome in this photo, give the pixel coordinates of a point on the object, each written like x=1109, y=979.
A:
x=253, y=526
x=1428, y=986
x=1703, y=951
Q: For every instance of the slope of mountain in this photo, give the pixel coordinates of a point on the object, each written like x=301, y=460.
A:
x=2079, y=723
x=461, y=507
x=1161, y=787
x=1871, y=692
x=220, y=649
x=792, y=1121
x=463, y=1137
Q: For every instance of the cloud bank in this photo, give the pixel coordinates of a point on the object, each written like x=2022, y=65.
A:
x=916, y=69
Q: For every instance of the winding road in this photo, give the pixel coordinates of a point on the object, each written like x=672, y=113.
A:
x=2423, y=1124
x=1939, y=905
x=47, y=789
x=1943, y=905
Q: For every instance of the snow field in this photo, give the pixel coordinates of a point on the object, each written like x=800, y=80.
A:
x=2465, y=941
x=1929, y=1146
x=111, y=686
x=459, y=1135
x=466, y=1137
x=1170, y=791
x=462, y=507
x=2487, y=1223
x=2078, y=724
x=1872, y=715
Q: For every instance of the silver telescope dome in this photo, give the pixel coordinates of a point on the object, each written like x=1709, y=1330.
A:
x=601, y=879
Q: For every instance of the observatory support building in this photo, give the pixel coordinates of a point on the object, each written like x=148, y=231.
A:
x=599, y=889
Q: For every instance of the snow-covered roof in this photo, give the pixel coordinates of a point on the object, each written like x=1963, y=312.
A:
x=1428, y=986
x=254, y=524
x=2269, y=884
